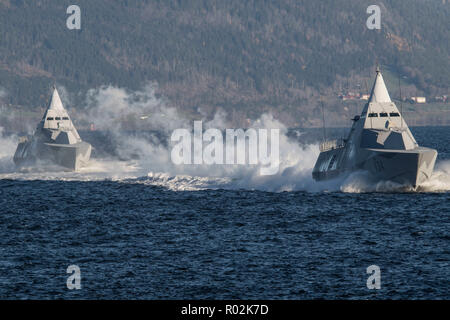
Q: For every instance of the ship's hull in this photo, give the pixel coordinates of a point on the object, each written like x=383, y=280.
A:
x=71, y=156
x=406, y=167
x=327, y=165
x=380, y=143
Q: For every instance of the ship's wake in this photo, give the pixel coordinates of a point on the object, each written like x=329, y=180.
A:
x=359, y=182
x=440, y=180
x=293, y=177
x=146, y=159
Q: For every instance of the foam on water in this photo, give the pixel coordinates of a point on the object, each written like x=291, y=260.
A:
x=296, y=177
x=152, y=164
x=359, y=182
x=440, y=180
x=155, y=168
x=8, y=146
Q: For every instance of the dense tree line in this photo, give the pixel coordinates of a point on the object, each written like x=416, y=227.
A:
x=243, y=56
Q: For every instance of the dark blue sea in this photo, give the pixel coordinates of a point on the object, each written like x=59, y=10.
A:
x=164, y=235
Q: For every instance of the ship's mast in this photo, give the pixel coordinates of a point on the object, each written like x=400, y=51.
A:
x=401, y=102
x=368, y=108
x=323, y=121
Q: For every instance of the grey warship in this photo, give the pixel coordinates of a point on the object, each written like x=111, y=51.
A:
x=55, y=140
x=379, y=142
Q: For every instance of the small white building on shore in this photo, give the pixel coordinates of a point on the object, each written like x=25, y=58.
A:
x=418, y=99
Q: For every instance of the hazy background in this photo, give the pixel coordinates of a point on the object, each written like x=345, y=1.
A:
x=241, y=58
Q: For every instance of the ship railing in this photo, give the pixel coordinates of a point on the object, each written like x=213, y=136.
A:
x=331, y=144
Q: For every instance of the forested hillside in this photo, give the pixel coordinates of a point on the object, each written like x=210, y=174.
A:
x=245, y=57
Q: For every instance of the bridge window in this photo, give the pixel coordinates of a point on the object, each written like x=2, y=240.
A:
x=383, y=114
x=373, y=115
x=50, y=118
x=394, y=114
x=65, y=118
x=57, y=118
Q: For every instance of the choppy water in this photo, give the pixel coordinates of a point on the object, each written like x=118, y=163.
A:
x=139, y=232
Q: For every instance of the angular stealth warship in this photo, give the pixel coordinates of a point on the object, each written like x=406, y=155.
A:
x=55, y=140
x=379, y=142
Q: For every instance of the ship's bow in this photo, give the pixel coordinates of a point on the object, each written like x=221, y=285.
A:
x=409, y=167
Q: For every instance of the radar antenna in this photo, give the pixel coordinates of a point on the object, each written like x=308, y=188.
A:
x=323, y=121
